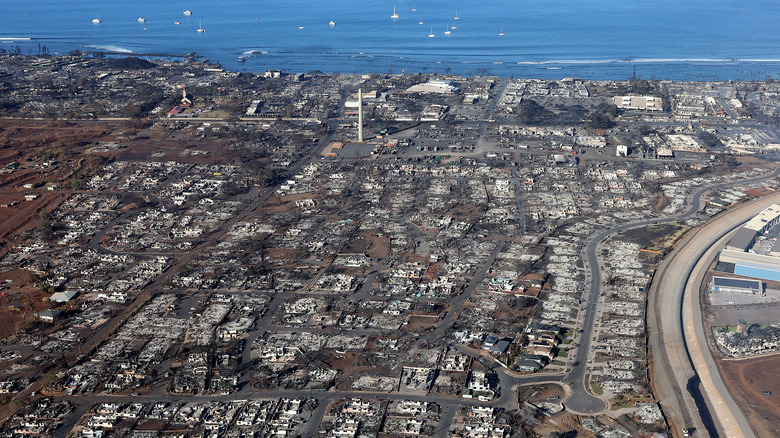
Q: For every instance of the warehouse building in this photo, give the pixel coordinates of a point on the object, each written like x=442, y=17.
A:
x=739, y=254
x=747, y=264
x=737, y=285
x=746, y=236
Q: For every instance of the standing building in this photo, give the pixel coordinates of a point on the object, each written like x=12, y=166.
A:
x=737, y=285
x=641, y=103
x=739, y=255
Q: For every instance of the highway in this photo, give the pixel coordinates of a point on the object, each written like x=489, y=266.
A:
x=678, y=356
x=670, y=381
x=683, y=334
x=672, y=369
x=581, y=401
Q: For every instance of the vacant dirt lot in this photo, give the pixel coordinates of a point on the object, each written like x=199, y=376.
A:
x=19, y=301
x=418, y=324
x=747, y=379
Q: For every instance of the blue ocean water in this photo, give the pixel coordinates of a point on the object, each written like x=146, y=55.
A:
x=595, y=39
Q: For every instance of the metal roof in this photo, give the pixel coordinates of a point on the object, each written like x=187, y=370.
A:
x=736, y=282
x=742, y=239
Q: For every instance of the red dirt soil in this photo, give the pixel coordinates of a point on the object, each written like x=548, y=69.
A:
x=747, y=379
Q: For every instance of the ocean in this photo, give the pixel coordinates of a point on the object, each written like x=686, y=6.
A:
x=596, y=39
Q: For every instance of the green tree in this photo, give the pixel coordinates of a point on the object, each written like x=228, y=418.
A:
x=602, y=116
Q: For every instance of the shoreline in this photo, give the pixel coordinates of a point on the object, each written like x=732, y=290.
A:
x=554, y=69
x=740, y=69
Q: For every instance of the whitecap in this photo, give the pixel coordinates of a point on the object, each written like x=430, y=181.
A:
x=110, y=48
x=758, y=60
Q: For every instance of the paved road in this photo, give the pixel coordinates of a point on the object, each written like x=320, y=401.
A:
x=681, y=282
x=581, y=401
x=730, y=418
x=672, y=370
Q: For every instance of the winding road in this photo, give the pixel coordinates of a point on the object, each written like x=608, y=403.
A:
x=677, y=401
x=685, y=356
x=581, y=401
x=668, y=315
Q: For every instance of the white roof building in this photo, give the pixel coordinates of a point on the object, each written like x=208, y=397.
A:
x=63, y=297
x=643, y=103
x=434, y=86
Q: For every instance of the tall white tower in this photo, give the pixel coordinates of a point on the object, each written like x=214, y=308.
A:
x=360, y=115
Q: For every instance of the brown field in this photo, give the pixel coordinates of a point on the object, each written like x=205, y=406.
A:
x=19, y=301
x=340, y=361
x=762, y=191
x=746, y=380
x=418, y=324
x=460, y=211
x=379, y=248
x=565, y=423
x=358, y=244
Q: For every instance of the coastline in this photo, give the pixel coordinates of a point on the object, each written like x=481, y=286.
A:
x=532, y=70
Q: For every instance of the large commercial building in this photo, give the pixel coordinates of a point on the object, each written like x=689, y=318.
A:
x=737, y=285
x=435, y=86
x=643, y=103
x=746, y=236
x=766, y=267
x=739, y=254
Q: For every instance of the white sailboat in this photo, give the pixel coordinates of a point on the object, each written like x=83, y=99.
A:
x=332, y=23
x=96, y=20
x=456, y=15
x=200, y=26
x=395, y=14
x=421, y=22
x=431, y=35
x=501, y=33
x=447, y=30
